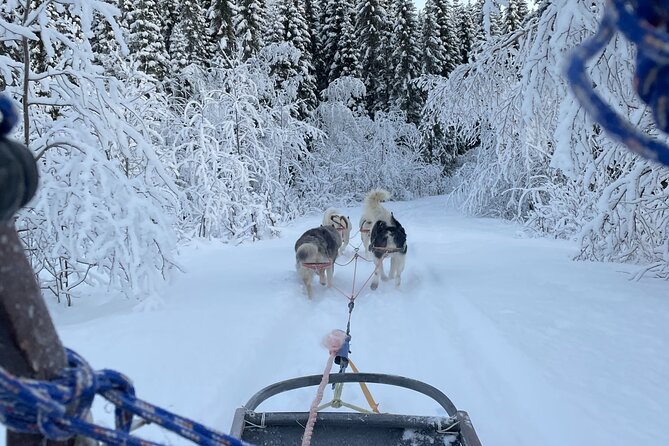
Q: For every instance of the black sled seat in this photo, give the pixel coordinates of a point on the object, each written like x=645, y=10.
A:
x=353, y=428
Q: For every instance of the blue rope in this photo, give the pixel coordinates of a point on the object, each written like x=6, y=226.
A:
x=8, y=116
x=56, y=409
x=643, y=23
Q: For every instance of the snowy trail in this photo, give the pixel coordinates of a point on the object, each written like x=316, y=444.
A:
x=540, y=350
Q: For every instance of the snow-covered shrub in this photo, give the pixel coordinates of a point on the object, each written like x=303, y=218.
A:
x=358, y=153
x=539, y=157
x=237, y=150
x=99, y=215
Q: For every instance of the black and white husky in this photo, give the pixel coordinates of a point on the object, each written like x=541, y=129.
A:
x=315, y=253
x=373, y=211
x=386, y=237
x=341, y=223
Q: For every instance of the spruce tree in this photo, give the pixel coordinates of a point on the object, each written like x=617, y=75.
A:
x=312, y=16
x=370, y=30
x=292, y=28
x=169, y=15
x=221, y=16
x=339, y=46
x=514, y=15
x=432, y=47
x=346, y=59
x=511, y=20
x=487, y=21
x=405, y=95
x=145, y=40
x=464, y=29
x=189, y=43
x=334, y=15
x=104, y=44
x=443, y=17
x=250, y=24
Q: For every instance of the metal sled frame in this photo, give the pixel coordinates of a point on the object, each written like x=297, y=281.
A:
x=353, y=428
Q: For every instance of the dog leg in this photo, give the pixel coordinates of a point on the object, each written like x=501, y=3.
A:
x=329, y=272
x=383, y=273
x=307, y=276
x=321, y=275
x=398, y=269
x=378, y=270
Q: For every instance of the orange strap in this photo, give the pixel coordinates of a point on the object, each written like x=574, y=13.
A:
x=368, y=396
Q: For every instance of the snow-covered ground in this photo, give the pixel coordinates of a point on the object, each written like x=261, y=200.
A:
x=539, y=349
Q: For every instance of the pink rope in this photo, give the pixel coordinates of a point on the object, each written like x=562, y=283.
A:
x=333, y=343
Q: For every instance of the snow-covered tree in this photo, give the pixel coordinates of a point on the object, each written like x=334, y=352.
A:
x=539, y=158
x=222, y=16
x=100, y=214
x=340, y=48
x=189, y=40
x=292, y=28
x=145, y=40
x=105, y=43
x=250, y=24
x=464, y=29
x=405, y=94
x=312, y=16
x=371, y=30
x=432, y=47
x=514, y=14
x=360, y=153
x=346, y=57
x=443, y=16
x=236, y=151
x=486, y=21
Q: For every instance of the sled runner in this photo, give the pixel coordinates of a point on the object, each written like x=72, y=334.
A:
x=353, y=428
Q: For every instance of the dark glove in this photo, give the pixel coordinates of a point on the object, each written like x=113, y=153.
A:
x=18, y=175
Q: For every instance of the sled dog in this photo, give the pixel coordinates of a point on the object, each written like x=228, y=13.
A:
x=341, y=223
x=373, y=211
x=315, y=253
x=388, y=239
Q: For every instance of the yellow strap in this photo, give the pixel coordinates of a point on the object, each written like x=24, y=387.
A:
x=368, y=396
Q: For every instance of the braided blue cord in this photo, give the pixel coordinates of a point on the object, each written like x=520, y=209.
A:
x=643, y=23
x=8, y=116
x=56, y=409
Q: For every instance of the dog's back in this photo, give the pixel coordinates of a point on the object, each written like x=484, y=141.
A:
x=388, y=237
x=318, y=245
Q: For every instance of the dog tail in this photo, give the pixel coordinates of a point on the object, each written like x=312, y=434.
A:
x=376, y=196
x=329, y=213
x=305, y=252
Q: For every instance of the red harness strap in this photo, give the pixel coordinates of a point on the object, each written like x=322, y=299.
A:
x=317, y=266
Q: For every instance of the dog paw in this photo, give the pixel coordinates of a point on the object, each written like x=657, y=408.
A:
x=374, y=286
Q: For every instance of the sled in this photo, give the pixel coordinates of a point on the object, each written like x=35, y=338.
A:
x=353, y=428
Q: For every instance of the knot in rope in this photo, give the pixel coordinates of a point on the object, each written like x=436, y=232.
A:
x=57, y=409
x=31, y=406
x=643, y=23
